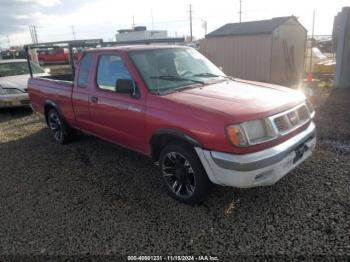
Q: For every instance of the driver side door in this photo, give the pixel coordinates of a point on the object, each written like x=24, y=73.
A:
x=117, y=117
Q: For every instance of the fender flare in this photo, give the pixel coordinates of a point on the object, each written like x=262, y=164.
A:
x=175, y=133
x=55, y=106
x=156, y=145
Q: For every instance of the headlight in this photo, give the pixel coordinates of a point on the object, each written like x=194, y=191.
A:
x=310, y=108
x=9, y=91
x=2, y=91
x=13, y=91
x=251, y=133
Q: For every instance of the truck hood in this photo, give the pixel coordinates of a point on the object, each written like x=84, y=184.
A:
x=240, y=100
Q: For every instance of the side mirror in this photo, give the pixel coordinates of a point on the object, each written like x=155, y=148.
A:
x=126, y=86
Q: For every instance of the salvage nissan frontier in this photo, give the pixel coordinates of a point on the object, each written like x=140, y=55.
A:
x=172, y=104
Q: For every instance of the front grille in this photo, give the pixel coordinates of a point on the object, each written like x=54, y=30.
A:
x=292, y=119
x=303, y=113
x=282, y=123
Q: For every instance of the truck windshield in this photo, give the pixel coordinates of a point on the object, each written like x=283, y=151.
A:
x=18, y=68
x=170, y=69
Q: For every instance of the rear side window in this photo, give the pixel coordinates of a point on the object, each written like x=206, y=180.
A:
x=84, y=70
x=110, y=69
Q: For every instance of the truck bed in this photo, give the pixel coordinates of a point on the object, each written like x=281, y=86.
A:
x=59, y=77
x=54, y=90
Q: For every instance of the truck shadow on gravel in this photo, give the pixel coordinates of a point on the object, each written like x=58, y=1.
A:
x=7, y=114
x=118, y=175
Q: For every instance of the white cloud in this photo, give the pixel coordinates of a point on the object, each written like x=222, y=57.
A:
x=45, y=3
x=101, y=18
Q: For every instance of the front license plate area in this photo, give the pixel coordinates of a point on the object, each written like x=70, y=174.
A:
x=299, y=152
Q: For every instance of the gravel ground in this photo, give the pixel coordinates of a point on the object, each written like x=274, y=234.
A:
x=93, y=198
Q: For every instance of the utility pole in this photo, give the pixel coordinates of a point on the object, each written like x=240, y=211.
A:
x=191, y=36
x=204, y=26
x=133, y=22
x=311, y=43
x=240, y=11
x=8, y=41
x=152, y=19
x=73, y=32
x=33, y=34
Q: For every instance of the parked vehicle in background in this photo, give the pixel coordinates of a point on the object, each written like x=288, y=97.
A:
x=14, y=76
x=54, y=55
x=320, y=63
x=175, y=106
x=13, y=54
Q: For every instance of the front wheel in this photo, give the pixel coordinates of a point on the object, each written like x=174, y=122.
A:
x=183, y=174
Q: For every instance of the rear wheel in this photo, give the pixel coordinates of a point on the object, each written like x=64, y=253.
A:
x=183, y=174
x=60, y=130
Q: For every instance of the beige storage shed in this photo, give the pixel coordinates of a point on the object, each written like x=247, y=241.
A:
x=268, y=50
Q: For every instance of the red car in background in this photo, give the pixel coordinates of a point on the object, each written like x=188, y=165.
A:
x=55, y=55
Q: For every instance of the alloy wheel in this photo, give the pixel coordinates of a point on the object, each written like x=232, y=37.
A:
x=178, y=174
x=56, y=126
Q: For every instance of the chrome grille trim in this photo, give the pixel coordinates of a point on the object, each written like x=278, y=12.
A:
x=288, y=121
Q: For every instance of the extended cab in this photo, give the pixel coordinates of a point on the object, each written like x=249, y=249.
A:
x=173, y=105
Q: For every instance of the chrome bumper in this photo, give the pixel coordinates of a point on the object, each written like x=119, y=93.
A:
x=262, y=168
x=16, y=100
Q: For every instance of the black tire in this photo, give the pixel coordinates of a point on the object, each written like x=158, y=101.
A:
x=183, y=174
x=61, y=132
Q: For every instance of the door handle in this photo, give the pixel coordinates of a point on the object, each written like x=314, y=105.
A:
x=94, y=99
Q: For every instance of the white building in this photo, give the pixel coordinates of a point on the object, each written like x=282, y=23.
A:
x=140, y=33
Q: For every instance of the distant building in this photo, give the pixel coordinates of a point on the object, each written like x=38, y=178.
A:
x=341, y=38
x=140, y=33
x=268, y=50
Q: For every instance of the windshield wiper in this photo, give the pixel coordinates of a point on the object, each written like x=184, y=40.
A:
x=176, y=78
x=213, y=75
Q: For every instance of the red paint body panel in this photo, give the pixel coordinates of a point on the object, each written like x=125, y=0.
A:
x=201, y=112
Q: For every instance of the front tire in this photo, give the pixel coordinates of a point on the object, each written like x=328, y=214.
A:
x=61, y=132
x=183, y=174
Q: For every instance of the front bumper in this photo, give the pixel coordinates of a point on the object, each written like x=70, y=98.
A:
x=262, y=168
x=16, y=100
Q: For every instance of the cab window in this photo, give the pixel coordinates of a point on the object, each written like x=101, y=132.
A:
x=110, y=69
x=84, y=70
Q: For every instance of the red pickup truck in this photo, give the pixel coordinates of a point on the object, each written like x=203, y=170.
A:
x=175, y=106
x=52, y=56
